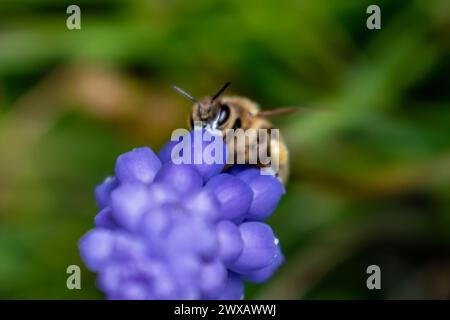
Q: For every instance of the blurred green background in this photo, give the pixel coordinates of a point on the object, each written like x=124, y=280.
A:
x=370, y=181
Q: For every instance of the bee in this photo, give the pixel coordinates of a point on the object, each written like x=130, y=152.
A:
x=235, y=112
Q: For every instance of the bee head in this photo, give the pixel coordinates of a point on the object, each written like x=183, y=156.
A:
x=209, y=111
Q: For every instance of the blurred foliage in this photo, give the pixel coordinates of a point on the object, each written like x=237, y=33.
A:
x=370, y=180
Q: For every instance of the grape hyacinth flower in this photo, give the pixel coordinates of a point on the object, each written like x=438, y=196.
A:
x=181, y=231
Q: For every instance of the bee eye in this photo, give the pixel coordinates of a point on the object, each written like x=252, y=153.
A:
x=224, y=114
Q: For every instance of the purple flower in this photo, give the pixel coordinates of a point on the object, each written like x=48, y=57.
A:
x=230, y=239
x=234, y=288
x=181, y=231
x=259, y=250
x=196, y=148
x=140, y=165
x=267, y=192
x=263, y=274
x=233, y=194
x=182, y=177
x=103, y=191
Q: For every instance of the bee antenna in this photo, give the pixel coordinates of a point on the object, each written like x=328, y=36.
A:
x=220, y=91
x=184, y=94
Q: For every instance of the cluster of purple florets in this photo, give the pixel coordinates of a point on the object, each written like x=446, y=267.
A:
x=181, y=231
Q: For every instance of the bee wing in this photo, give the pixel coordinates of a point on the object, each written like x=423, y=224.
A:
x=286, y=111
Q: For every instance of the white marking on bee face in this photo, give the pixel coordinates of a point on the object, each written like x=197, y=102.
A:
x=214, y=124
